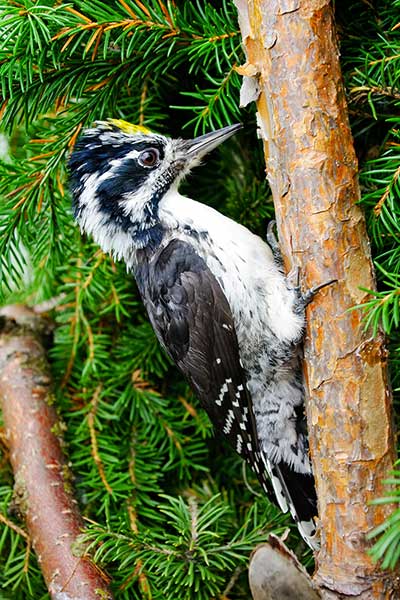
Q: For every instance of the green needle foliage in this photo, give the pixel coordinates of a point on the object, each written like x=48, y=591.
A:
x=170, y=513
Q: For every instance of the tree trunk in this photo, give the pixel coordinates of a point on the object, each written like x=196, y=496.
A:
x=293, y=73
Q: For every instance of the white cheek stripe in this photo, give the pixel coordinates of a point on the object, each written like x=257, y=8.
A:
x=132, y=154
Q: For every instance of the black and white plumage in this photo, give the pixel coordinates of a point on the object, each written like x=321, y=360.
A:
x=216, y=296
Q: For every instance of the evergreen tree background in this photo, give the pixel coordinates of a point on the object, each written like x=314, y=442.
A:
x=171, y=512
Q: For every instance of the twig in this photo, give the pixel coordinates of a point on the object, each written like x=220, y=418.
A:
x=13, y=526
x=231, y=583
x=93, y=438
x=138, y=571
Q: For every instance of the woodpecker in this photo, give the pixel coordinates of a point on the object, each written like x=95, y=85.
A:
x=216, y=295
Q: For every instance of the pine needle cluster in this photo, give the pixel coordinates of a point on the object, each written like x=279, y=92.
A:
x=170, y=513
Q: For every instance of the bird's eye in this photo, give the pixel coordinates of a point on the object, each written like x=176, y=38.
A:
x=149, y=158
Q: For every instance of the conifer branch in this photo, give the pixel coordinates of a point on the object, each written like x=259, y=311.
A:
x=42, y=489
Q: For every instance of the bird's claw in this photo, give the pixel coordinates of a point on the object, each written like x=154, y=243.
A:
x=309, y=294
x=293, y=278
x=303, y=299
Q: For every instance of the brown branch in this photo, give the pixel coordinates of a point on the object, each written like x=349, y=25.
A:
x=42, y=478
x=312, y=172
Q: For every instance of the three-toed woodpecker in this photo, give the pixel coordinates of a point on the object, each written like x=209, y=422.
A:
x=215, y=293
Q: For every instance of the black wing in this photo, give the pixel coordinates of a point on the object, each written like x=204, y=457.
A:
x=193, y=321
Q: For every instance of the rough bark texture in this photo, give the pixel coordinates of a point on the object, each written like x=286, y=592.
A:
x=294, y=75
x=42, y=491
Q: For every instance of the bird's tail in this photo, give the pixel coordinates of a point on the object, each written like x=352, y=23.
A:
x=295, y=492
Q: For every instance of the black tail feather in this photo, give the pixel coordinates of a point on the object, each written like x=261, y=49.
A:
x=299, y=489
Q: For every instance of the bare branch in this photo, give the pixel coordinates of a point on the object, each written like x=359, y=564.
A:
x=42, y=477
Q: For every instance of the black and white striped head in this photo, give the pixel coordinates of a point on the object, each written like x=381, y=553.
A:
x=120, y=172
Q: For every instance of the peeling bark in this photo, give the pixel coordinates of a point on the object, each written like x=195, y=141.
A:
x=312, y=171
x=42, y=491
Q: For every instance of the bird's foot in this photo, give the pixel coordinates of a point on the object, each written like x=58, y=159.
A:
x=303, y=299
x=293, y=277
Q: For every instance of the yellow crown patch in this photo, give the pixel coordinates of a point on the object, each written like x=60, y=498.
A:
x=129, y=128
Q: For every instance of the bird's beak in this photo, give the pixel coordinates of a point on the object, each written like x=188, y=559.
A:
x=197, y=148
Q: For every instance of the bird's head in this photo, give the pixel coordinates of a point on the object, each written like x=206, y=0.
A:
x=119, y=174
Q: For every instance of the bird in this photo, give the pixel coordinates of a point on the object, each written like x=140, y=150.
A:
x=216, y=295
